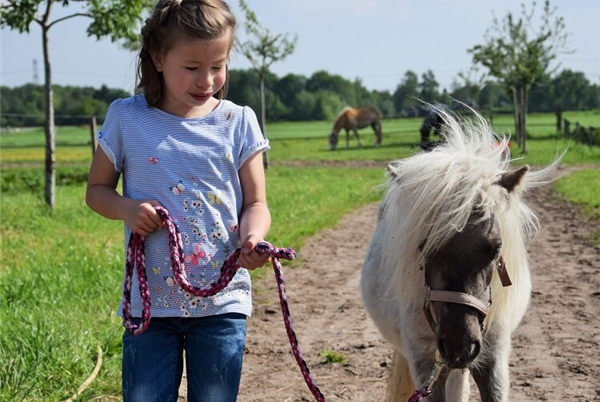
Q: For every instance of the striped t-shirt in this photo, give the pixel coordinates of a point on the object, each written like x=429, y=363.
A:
x=190, y=166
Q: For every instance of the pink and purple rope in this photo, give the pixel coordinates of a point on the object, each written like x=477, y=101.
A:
x=135, y=259
x=419, y=394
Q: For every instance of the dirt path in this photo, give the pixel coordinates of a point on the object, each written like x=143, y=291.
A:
x=555, y=351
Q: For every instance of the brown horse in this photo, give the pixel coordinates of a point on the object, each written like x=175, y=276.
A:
x=355, y=119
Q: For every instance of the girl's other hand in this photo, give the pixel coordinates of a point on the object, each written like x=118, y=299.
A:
x=142, y=218
x=249, y=258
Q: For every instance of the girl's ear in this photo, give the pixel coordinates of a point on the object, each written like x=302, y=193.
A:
x=157, y=60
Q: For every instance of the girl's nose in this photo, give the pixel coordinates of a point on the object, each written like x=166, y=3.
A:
x=204, y=80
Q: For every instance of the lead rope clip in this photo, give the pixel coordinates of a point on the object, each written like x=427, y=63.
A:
x=426, y=389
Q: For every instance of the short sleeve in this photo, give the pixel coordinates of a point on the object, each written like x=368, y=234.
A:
x=110, y=137
x=253, y=140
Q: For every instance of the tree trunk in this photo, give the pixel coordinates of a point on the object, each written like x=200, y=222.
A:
x=523, y=113
x=263, y=116
x=558, y=114
x=49, y=128
x=516, y=111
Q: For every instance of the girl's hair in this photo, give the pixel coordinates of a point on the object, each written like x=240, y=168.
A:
x=173, y=20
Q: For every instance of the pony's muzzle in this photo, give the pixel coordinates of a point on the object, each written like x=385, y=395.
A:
x=459, y=337
x=458, y=356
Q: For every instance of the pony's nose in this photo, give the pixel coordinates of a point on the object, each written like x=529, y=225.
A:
x=458, y=353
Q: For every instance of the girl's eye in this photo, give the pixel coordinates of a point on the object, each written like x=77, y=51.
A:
x=217, y=67
x=191, y=68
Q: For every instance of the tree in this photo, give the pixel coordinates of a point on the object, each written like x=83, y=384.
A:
x=569, y=89
x=468, y=88
x=289, y=87
x=518, y=54
x=404, y=96
x=114, y=18
x=428, y=87
x=262, y=52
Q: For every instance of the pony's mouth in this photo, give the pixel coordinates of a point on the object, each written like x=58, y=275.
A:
x=461, y=359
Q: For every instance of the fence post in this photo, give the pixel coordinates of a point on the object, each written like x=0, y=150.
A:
x=93, y=134
x=592, y=136
x=567, y=128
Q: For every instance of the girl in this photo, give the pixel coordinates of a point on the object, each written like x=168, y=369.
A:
x=180, y=145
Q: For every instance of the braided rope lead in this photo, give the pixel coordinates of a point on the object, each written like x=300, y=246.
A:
x=426, y=389
x=135, y=259
x=420, y=394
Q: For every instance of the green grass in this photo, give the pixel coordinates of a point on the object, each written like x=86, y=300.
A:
x=329, y=357
x=61, y=270
x=34, y=137
x=59, y=287
x=583, y=187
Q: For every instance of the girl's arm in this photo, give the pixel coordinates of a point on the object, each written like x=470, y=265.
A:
x=102, y=197
x=256, y=218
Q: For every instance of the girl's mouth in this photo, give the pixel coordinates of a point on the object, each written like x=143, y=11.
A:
x=201, y=97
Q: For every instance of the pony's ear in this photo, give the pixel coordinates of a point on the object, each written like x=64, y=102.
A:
x=391, y=172
x=511, y=179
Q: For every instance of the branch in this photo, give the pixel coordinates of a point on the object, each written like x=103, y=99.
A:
x=70, y=16
x=91, y=378
x=47, y=13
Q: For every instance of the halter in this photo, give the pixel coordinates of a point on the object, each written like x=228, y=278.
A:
x=135, y=258
x=448, y=296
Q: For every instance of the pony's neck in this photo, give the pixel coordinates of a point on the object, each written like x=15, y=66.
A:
x=339, y=123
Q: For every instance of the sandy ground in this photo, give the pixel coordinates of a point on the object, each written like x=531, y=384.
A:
x=556, y=350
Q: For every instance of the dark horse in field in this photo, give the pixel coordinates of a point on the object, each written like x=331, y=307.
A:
x=355, y=119
x=433, y=121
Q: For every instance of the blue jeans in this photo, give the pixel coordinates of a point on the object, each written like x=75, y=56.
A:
x=214, y=348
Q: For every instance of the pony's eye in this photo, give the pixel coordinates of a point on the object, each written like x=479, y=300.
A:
x=497, y=249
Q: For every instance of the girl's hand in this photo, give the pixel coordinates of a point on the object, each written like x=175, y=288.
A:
x=250, y=258
x=142, y=218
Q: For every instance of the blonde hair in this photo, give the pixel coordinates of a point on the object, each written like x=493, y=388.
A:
x=171, y=21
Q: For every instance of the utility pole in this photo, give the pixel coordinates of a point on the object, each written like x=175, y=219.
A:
x=36, y=78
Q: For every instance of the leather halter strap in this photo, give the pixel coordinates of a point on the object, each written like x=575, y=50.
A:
x=503, y=273
x=457, y=298
x=447, y=296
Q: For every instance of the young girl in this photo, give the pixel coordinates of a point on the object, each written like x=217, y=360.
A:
x=180, y=145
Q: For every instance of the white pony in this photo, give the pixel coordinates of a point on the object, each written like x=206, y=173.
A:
x=449, y=217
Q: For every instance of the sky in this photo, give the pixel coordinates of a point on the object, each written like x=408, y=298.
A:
x=376, y=41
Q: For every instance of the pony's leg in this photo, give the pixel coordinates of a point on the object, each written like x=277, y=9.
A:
x=357, y=137
x=491, y=373
x=347, y=139
x=400, y=385
x=377, y=128
x=424, y=135
x=457, y=386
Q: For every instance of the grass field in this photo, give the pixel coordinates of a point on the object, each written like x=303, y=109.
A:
x=61, y=270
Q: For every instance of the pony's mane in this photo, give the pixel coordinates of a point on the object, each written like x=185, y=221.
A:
x=431, y=195
x=341, y=113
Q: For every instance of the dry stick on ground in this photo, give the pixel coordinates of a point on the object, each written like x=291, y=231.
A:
x=89, y=380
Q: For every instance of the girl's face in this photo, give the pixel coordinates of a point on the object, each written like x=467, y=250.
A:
x=193, y=71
